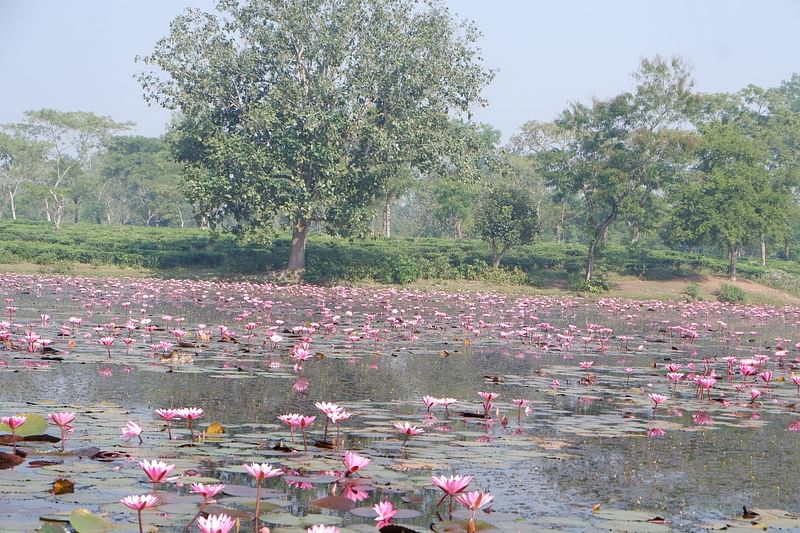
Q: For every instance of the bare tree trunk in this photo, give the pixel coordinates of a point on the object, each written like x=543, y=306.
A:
x=600, y=236
x=108, y=210
x=297, y=252
x=180, y=216
x=387, y=216
x=458, y=231
x=47, y=210
x=12, y=196
x=733, y=253
x=498, y=256
x=763, y=251
x=786, y=249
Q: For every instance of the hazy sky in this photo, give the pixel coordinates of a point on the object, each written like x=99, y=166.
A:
x=79, y=54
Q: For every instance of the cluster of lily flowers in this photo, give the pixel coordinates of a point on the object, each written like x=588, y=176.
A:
x=453, y=486
x=158, y=472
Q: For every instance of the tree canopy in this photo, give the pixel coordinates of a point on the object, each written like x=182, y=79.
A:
x=617, y=153
x=295, y=108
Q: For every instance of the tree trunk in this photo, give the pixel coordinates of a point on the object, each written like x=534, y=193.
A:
x=458, y=230
x=297, y=253
x=733, y=253
x=498, y=256
x=786, y=249
x=591, y=260
x=387, y=216
x=763, y=251
x=599, y=236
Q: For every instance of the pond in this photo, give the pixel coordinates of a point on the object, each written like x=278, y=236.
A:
x=609, y=414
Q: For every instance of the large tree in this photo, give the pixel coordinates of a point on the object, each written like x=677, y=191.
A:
x=721, y=205
x=744, y=176
x=297, y=108
x=616, y=154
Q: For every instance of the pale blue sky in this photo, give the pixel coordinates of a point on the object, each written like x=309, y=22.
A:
x=78, y=54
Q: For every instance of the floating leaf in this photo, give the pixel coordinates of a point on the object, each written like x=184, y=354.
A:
x=63, y=486
x=52, y=527
x=9, y=460
x=336, y=503
x=215, y=428
x=34, y=425
x=394, y=528
x=462, y=526
x=83, y=521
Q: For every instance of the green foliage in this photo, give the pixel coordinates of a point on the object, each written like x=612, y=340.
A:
x=730, y=293
x=617, y=154
x=692, y=291
x=337, y=260
x=328, y=100
x=596, y=285
x=506, y=217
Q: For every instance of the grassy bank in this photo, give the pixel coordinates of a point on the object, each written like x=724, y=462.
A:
x=333, y=260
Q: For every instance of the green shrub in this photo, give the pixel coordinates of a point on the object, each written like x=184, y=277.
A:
x=730, y=293
x=596, y=285
x=692, y=291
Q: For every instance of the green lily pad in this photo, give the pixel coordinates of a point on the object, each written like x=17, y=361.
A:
x=83, y=521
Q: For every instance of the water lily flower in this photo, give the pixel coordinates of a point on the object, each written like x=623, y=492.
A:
x=354, y=462
x=385, y=511
x=132, y=429
x=261, y=471
x=215, y=523
x=451, y=486
x=13, y=422
x=207, y=491
x=169, y=415
x=64, y=422
x=157, y=471
x=140, y=503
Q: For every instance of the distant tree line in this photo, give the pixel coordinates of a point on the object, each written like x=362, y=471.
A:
x=77, y=167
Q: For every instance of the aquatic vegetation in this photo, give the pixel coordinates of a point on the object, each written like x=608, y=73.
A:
x=602, y=376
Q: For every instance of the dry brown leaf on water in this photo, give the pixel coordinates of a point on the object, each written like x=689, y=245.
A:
x=215, y=428
x=595, y=507
x=63, y=486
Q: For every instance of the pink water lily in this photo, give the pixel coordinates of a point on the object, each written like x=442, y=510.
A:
x=354, y=462
x=215, y=523
x=64, y=422
x=260, y=471
x=131, y=430
x=140, y=503
x=13, y=421
x=190, y=414
x=407, y=430
x=157, y=471
x=384, y=511
x=451, y=486
x=474, y=501
x=169, y=415
x=657, y=399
